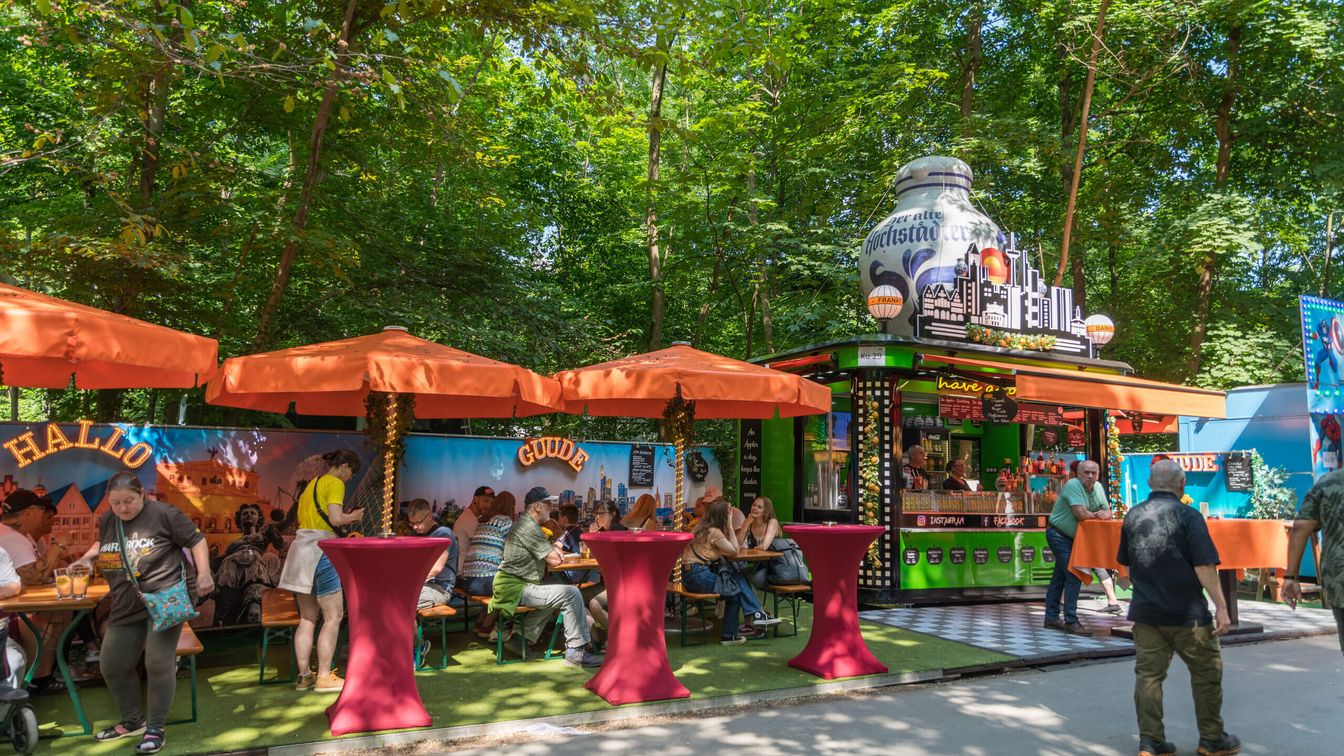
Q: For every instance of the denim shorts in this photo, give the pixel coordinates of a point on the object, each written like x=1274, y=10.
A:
x=325, y=580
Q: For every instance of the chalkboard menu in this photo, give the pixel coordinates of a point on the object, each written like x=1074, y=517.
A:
x=641, y=466
x=749, y=462
x=1238, y=470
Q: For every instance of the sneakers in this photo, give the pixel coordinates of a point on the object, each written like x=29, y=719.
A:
x=1113, y=609
x=306, y=681
x=755, y=633
x=330, y=682
x=1224, y=746
x=762, y=619
x=735, y=640
x=579, y=657
x=1154, y=748
x=424, y=650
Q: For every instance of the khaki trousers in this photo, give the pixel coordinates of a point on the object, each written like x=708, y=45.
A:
x=1198, y=648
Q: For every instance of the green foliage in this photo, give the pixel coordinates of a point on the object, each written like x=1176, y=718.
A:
x=1270, y=498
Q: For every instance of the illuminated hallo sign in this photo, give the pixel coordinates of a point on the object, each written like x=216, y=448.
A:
x=551, y=447
x=27, y=449
x=1196, y=462
x=968, y=386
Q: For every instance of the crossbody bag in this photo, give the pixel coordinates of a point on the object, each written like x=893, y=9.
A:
x=342, y=531
x=167, y=608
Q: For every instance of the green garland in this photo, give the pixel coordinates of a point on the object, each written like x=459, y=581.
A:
x=1114, y=460
x=375, y=408
x=870, y=481
x=1019, y=341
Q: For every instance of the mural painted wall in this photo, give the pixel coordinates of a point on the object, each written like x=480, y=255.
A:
x=1323, y=351
x=239, y=485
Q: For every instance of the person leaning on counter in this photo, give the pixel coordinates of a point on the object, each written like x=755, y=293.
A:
x=956, y=476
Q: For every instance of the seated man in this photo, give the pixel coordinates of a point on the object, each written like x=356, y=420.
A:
x=438, y=587
x=527, y=552
x=27, y=518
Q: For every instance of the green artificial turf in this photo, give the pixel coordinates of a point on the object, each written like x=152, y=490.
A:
x=236, y=713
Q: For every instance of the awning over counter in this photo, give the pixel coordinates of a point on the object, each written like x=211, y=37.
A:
x=1080, y=388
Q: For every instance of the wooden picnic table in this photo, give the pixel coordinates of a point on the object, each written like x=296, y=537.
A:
x=754, y=555
x=41, y=599
x=575, y=563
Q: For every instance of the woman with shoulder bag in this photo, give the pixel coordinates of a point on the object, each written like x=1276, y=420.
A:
x=311, y=576
x=759, y=531
x=708, y=572
x=152, y=593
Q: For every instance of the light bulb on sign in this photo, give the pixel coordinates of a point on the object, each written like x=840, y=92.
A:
x=1100, y=329
x=884, y=303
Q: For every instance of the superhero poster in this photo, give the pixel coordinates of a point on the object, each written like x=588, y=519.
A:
x=1323, y=348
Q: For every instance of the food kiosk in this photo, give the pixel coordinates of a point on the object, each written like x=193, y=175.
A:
x=979, y=360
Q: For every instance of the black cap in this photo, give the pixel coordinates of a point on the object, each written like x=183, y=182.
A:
x=484, y=491
x=22, y=499
x=538, y=494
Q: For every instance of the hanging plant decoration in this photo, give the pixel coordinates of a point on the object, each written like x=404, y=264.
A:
x=1114, y=460
x=1019, y=341
x=678, y=420
x=870, y=482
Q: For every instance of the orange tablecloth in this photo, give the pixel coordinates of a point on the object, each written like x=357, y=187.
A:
x=1240, y=543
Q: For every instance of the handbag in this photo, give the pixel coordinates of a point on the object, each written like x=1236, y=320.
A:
x=167, y=608
x=789, y=568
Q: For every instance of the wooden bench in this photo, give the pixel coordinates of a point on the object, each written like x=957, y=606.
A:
x=433, y=615
x=701, y=601
x=279, y=617
x=468, y=602
x=188, y=647
x=519, y=622
x=792, y=595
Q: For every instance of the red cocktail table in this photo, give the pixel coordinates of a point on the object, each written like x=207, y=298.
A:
x=636, y=568
x=835, y=647
x=381, y=578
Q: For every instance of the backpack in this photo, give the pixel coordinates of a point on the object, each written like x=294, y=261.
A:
x=788, y=569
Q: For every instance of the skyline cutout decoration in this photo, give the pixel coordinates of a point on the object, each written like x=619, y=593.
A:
x=1001, y=290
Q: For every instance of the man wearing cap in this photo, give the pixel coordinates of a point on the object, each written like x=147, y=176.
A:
x=470, y=519
x=527, y=553
x=27, y=517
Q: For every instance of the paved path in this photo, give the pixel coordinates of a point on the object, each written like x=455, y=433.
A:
x=1284, y=697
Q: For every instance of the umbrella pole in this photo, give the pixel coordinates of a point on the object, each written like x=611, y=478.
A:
x=389, y=466
x=679, y=514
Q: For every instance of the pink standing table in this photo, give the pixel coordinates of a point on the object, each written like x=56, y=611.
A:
x=835, y=647
x=636, y=568
x=381, y=578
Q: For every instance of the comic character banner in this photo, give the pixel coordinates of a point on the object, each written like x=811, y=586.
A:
x=1323, y=348
x=239, y=485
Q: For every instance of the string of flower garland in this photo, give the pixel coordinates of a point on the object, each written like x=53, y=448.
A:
x=389, y=419
x=870, y=482
x=1114, y=461
x=678, y=426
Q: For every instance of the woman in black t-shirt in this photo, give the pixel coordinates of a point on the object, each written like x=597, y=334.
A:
x=155, y=535
x=956, y=476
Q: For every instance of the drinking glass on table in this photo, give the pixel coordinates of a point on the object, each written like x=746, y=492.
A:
x=80, y=574
x=63, y=584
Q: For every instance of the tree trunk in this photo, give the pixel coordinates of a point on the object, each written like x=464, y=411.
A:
x=300, y=222
x=651, y=196
x=974, y=57
x=1329, y=234
x=1076, y=265
x=1208, y=267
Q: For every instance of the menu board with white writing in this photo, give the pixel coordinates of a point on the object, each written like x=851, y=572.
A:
x=749, y=462
x=1240, y=477
x=641, y=466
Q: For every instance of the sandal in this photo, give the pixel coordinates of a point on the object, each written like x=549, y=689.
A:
x=120, y=730
x=152, y=742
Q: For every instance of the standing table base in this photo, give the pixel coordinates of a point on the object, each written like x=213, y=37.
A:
x=834, y=553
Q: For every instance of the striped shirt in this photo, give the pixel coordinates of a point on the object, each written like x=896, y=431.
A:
x=486, y=550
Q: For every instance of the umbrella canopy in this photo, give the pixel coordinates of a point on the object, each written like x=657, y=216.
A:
x=334, y=378
x=721, y=387
x=45, y=340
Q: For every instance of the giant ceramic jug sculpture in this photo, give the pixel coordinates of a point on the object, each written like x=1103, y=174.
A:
x=926, y=236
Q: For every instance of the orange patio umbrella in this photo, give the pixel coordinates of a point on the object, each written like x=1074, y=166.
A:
x=45, y=340
x=682, y=383
x=338, y=377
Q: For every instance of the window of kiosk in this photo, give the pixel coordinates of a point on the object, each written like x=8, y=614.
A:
x=827, y=463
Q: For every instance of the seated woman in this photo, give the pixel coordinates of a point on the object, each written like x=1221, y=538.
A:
x=484, y=554
x=758, y=531
x=713, y=538
x=956, y=476
x=607, y=518
x=644, y=514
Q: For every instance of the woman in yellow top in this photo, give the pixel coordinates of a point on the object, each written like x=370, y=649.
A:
x=311, y=576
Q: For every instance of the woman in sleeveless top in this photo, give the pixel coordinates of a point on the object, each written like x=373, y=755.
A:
x=758, y=531
x=706, y=574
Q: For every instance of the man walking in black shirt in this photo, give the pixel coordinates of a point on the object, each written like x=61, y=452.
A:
x=1170, y=556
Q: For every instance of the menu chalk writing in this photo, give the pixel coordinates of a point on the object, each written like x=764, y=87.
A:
x=1240, y=477
x=749, y=462
x=641, y=466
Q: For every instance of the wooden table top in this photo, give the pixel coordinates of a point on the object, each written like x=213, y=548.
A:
x=754, y=555
x=42, y=598
x=576, y=563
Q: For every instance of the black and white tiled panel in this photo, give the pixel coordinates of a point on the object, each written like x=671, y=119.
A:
x=1013, y=629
